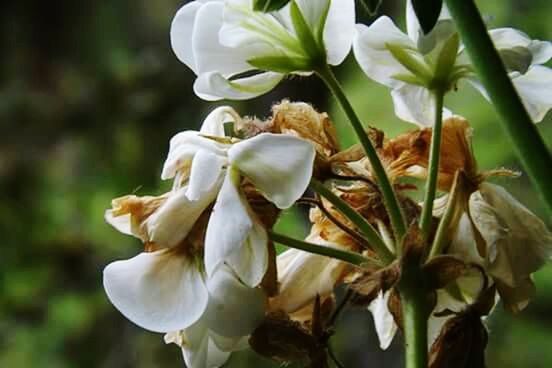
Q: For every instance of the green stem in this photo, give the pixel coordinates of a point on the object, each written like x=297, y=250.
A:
x=342, y=255
x=433, y=168
x=415, y=314
x=415, y=332
x=389, y=196
x=360, y=222
x=529, y=145
x=442, y=234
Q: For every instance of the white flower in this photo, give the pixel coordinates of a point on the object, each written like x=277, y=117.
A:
x=233, y=311
x=222, y=40
x=409, y=64
x=164, y=289
x=279, y=166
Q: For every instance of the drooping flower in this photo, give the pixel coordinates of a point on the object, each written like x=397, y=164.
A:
x=232, y=313
x=214, y=166
x=223, y=42
x=413, y=64
x=489, y=227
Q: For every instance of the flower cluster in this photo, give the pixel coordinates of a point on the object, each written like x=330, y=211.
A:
x=209, y=276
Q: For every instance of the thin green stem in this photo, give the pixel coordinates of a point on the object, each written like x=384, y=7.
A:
x=360, y=222
x=342, y=255
x=528, y=144
x=442, y=234
x=389, y=196
x=433, y=174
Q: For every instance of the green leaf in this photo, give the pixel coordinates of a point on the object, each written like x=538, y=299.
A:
x=371, y=6
x=281, y=64
x=446, y=59
x=427, y=12
x=416, y=65
x=267, y=6
x=304, y=32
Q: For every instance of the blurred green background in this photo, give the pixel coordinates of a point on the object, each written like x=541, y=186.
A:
x=90, y=94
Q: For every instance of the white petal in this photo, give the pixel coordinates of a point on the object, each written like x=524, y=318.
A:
x=534, y=89
x=209, y=54
x=214, y=86
x=234, y=237
x=214, y=122
x=121, y=223
x=541, y=51
x=161, y=291
x=280, y=166
x=386, y=328
x=254, y=34
x=509, y=38
x=198, y=347
x=371, y=52
x=518, y=241
x=181, y=33
x=172, y=222
x=463, y=242
x=205, y=175
x=183, y=147
x=339, y=30
x=234, y=310
x=302, y=276
x=413, y=25
x=250, y=261
x=414, y=104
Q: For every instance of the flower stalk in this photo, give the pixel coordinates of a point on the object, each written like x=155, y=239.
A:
x=342, y=255
x=415, y=313
x=389, y=196
x=367, y=230
x=435, y=149
x=528, y=144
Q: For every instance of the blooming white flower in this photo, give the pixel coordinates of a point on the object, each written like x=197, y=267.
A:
x=233, y=311
x=409, y=64
x=211, y=165
x=222, y=40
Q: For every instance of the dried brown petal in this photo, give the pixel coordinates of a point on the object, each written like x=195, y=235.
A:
x=368, y=286
x=413, y=246
x=394, y=305
x=282, y=339
x=302, y=120
x=461, y=343
x=270, y=279
x=442, y=270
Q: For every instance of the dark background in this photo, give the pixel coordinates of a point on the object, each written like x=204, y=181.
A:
x=90, y=93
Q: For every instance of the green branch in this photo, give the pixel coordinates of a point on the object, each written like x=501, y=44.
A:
x=389, y=196
x=360, y=222
x=529, y=145
x=433, y=167
x=342, y=255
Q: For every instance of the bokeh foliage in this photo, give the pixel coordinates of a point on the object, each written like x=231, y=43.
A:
x=90, y=93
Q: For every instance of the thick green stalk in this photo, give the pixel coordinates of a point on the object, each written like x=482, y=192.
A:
x=345, y=256
x=529, y=145
x=415, y=331
x=433, y=167
x=415, y=315
x=389, y=196
x=364, y=226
